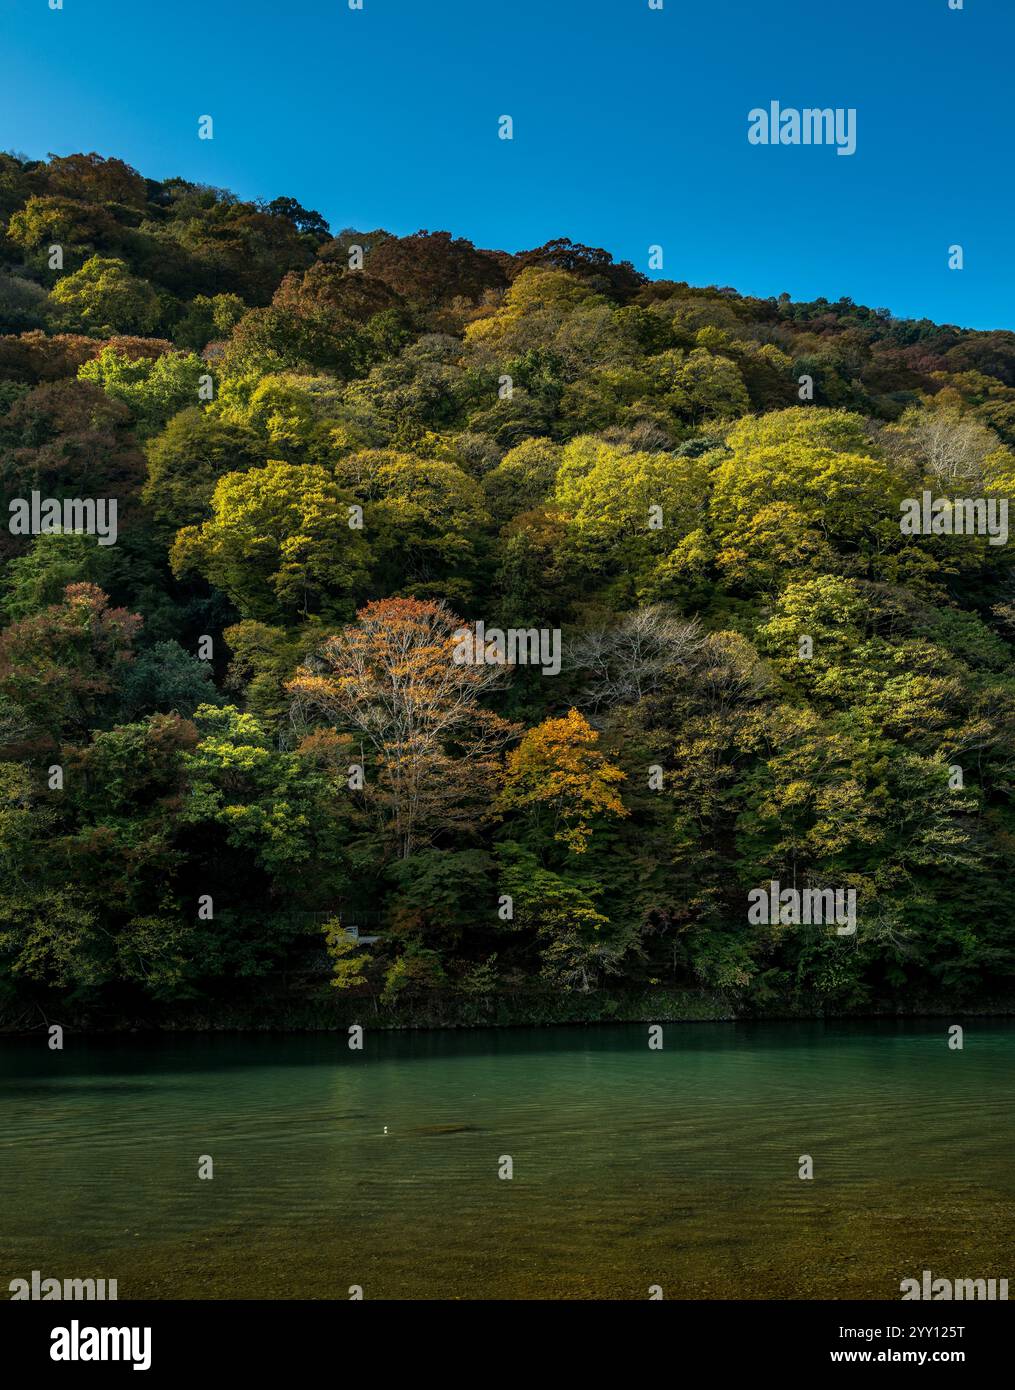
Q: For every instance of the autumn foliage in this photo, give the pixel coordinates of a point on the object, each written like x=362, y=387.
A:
x=247, y=727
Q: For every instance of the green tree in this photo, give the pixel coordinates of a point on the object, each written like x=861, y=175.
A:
x=208, y=317
x=424, y=516
x=103, y=298
x=152, y=388
x=187, y=458
x=278, y=543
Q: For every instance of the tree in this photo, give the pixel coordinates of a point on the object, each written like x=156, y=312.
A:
x=39, y=577
x=279, y=339
x=265, y=803
x=23, y=304
x=119, y=808
x=20, y=178
x=242, y=249
x=208, y=317
x=523, y=479
x=33, y=358
x=703, y=386
x=431, y=268
x=628, y=507
x=103, y=298
x=333, y=297
x=592, y=263
x=423, y=515
x=68, y=439
x=534, y=309
x=346, y=965
x=166, y=679
x=557, y=768
x=322, y=319
x=196, y=448
x=152, y=388
x=278, y=543
x=572, y=935
x=303, y=220
x=298, y=416
x=79, y=229
x=951, y=447
x=393, y=679
x=812, y=474
x=63, y=665
x=94, y=179
x=634, y=658
x=263, y=660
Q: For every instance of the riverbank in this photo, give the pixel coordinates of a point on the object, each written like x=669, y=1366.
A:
x=515, y=1010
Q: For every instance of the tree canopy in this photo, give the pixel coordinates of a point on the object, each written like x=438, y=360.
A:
x=530, y=610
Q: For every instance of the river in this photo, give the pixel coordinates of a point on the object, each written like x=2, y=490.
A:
x=631, y=1168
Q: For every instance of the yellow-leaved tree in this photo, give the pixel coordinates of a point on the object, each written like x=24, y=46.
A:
x=558, y=769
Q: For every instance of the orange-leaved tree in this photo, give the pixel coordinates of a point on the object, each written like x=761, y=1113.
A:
x=393, y=678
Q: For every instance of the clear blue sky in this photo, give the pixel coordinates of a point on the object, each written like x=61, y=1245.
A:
x=630, y=126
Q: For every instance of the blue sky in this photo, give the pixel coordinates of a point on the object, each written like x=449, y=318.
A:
x=630, y=126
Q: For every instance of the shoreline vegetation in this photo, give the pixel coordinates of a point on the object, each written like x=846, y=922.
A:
x=598, y=1008
x=493, y=637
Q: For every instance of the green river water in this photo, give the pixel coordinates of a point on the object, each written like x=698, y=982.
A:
x=631, y=1167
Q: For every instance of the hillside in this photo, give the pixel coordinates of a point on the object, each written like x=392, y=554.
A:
x=236, y=719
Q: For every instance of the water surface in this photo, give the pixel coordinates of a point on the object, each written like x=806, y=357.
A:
x=632, y=1167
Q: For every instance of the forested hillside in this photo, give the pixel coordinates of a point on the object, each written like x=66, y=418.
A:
x=243, y=728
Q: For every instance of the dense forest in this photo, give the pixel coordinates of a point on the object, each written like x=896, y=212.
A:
x=243, y=730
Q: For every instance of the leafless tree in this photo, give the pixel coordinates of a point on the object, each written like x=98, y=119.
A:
x=729, y=672
x=949, y=446
x=624, y=663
